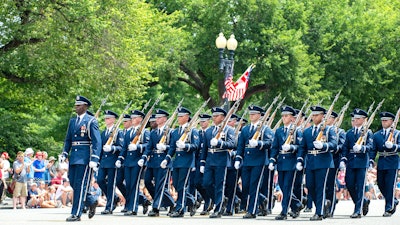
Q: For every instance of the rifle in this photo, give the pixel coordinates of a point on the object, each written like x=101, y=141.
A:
x=103, y=102
x=115, y=128
x=227, y=117
x=393, y=127
x=367, y=124
x=277, y=125
x=272, y=117
x=371, y=107
x=148, y=102
x=193, y=122
x=259, y=125
x=341, y=115
x=326, y=117
x=169, y=123
x=289, y=138
x=237, y=129
x=145, y=120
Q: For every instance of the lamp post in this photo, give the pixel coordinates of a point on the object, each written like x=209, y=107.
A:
x=226, y=64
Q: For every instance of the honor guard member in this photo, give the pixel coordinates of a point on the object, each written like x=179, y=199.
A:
x=288, y=158
x=318, y=160
x=152, y=122
x=355, y=157
x=129, y=156
x=215, y=158
x=107, y=177
x=387, y=145
x=204, y=122
x=251, y=155
x=231, y=173
x=332, y=174
x=83, y=146
x=181, y=153
x=154, y=154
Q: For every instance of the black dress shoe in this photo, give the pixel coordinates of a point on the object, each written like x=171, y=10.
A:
x=227, y=214
x=124, y=210
x=84, y=210
x=146, y=205
x=92, y=210
x=392, y=211
x=106, y=212
x=294, y=215
x=365, y=207
x=154, y=213
x=307, y=210
x=387, y=214
x=215, y=215
x=355, y=216
x=73, y=218
x=192, y=210
x=281, y=217
x=249, y=216
x=204, y=213
x=316, y=217
x=327, y=208
x=171, y=210
x=130, y=213
x=262, y=212
x=176, y=214
x=116, y=200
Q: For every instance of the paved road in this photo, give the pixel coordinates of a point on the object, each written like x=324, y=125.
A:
x=57, y=216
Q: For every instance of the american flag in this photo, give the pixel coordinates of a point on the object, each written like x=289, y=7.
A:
x=235, y=91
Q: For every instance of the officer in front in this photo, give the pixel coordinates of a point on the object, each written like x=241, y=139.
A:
x=83, y=146
x=386, y=146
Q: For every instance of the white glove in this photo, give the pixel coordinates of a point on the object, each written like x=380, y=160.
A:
x=271, y=166
x=253, y=143
x=132, y=147
x=299, y=167
x=237, y=165
x=180, y=144
x=202, y=169
x=62, y=158
x=107, y=148
x=140, y=162
x=342, y=165
x=161, y=146
x=214, y=142
x=318, y=144
x=163, y=164
x=286, y=147
x=118, y=164
x=389, y=144
x=357, y=148
x=93, y=165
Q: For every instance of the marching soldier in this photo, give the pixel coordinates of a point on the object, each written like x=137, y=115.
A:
x=215, y=158
x=183, y=152
x=251, y=153
x=318, y=160
x=107, y=176
x=204, y=125
x=129, y=156
x=356, y=160
x=83, y=138
x=155, y=153
x=386, y=145
x=332, y=174
x=288, y=158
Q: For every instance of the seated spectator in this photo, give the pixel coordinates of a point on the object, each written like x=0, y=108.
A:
x=397, y=190
x=64, y=193
x=33, y=196
x=95, y=190
x=278, y=193
x=57, y=180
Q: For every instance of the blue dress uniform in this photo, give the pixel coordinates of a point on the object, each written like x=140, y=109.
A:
x=318, y=162
x=82, y=145
x=129, y=156
x=357, y=163
x=182, y=156
x=388, y=163
x=198, y=178
x=107, y=176
x=252, y=155
x=332, y=174
x=216, y=159
x=154, y=157
x=286, y=161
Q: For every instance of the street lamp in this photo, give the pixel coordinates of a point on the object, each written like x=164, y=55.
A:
x=226, y=64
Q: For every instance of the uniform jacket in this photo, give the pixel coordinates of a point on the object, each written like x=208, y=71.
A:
x=151, y=154
x=352, y=159
x=391, y=160
x=82, y=143
x=253, y=156
x=183, y=157
x=217, y=155
x=130, y=158
x=108, y=159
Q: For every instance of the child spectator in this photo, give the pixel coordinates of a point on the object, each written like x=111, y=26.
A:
x=64, y=193
x=33, y=196
x=39, y=167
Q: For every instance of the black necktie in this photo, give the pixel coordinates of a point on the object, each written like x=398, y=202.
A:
x=285, y=130
x=77, y=121
x=315, y=130
x=356, y=132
